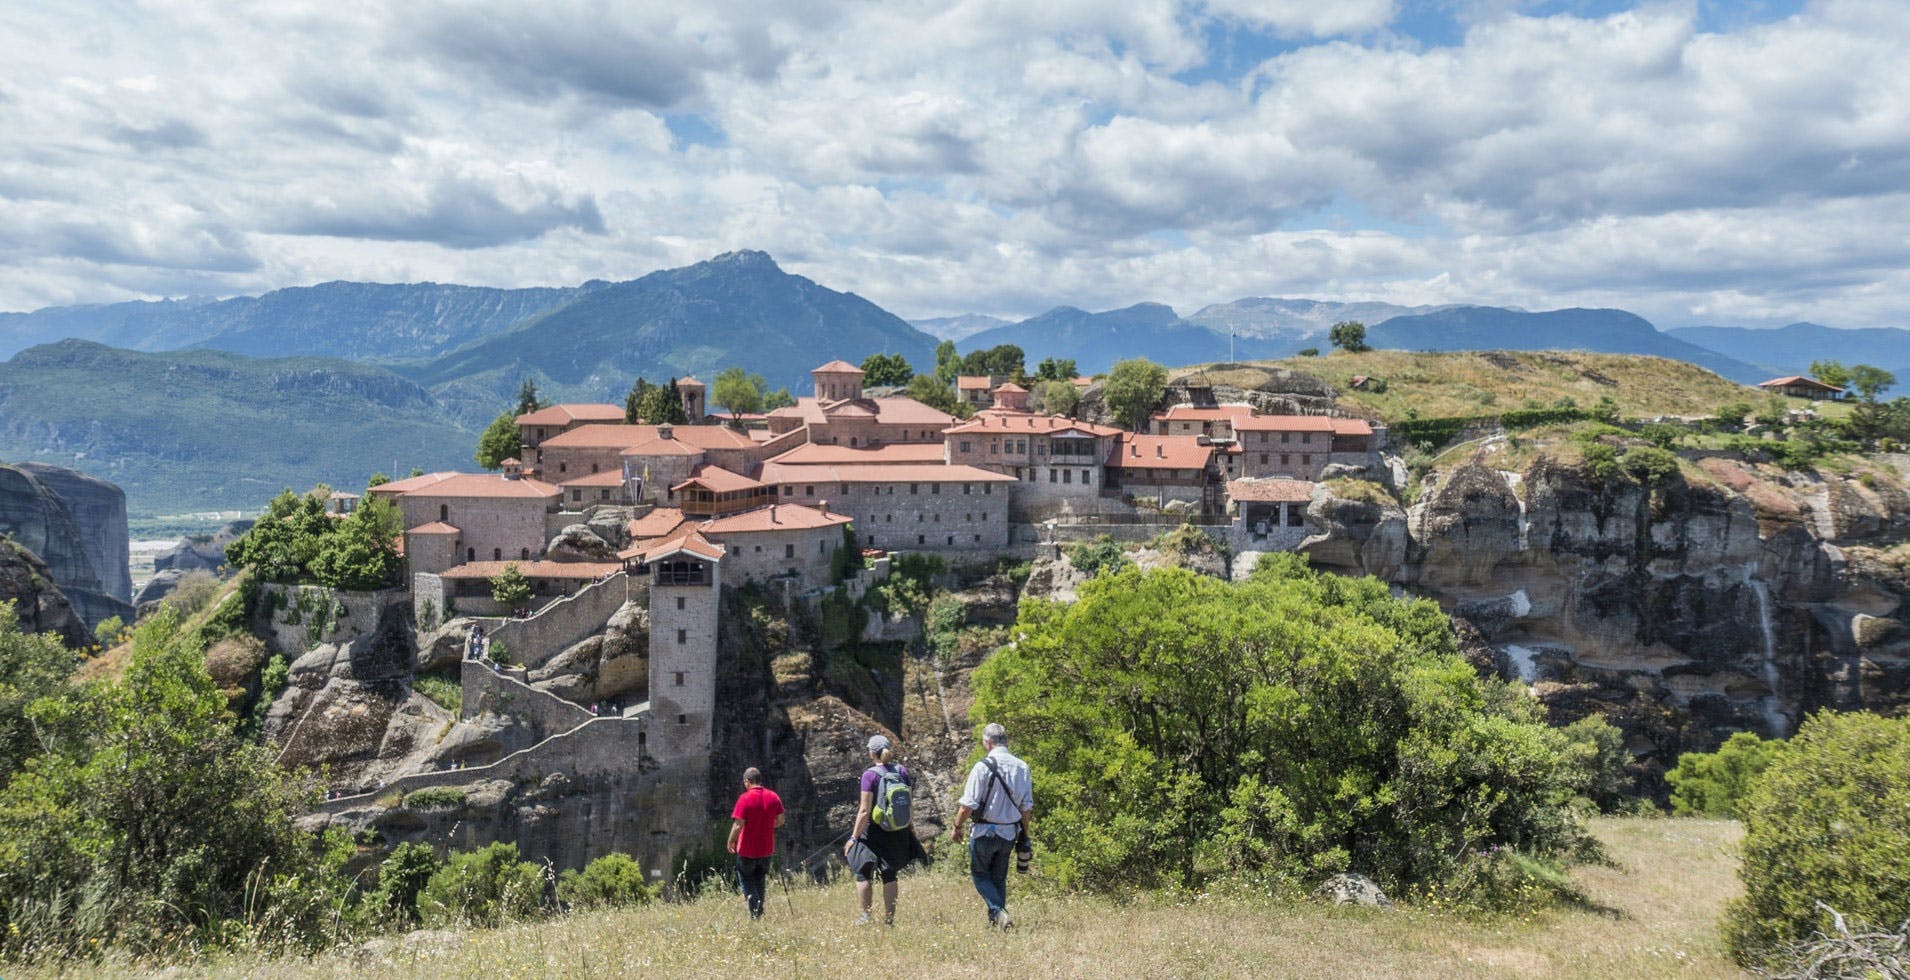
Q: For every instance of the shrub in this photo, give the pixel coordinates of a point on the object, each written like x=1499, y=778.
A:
x=1598, y=751
x=1498, y=880
x=195, y=591
x=1337, y=727
x=482, y=888
x=1828, y=822
x=401, y=877
x=441, y=690
x=432, y=797
x=1103, y=554
x=1713, y=784
x=1649, y=465
x=610, y=881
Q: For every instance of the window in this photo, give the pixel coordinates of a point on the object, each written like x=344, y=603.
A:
x=497, y=554
x=935, y=489
x=682, y=637
x=736, y=549
x=1084, y=477
x=1051, y=478
x=682, y=719
x=915, y=487
x=822, y=547
x=1306, y=437
x=988, y=488
x=1067, y=476
x=444, y=512
x=759, y=549
x=951, y=539
x=808, y=491
x=1306, y=459
x=593, y=467
x=563, y=467
x=966, y=487
x=789, y=551
x=679, y=602
x=921, y=539
x=789, y=491
x=679, y=678
x=964, y=445
x=524, y=554
x=576, y=496
x=978, y=538
x=1286, y=459
x=470, y=554
x=1286, y=437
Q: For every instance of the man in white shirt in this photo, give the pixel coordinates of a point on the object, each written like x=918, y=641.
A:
x=999, y=798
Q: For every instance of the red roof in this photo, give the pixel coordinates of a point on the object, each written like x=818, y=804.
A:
x=1000, y=420
x=620, y=437
x=1135, y=451
x=608, y=478
x=972, y=382
x=892, y=411
x=775, y=517
x=535, y=569
x=717, y=480
x=781, y=473
x=661, y=447
x=690, y=541
x=1012, y=388
x=1192, y=413
x=1799, y=381
x=690, y=382
x=435, y=527
x=656, y=524
x=837, y=367
x=1352, y=427
x=449, y=484
x=1285, y=423
x=814, y=453
x=1271, y=491
x=566, y=414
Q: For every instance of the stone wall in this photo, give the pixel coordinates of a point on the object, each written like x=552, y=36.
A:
x=558, y=625
x=296, y=618
x=489, y=528
x=887, y=515
x=508, y=691
x=803, y=553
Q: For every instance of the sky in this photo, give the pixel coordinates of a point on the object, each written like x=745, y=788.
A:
x=1695, y=162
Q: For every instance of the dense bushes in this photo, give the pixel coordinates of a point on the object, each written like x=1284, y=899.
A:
x=610, y=881
x=1828, y=822
x=1713, y=784
x=296, y=541
x=1103, y=554
x=1284, y=728
x=482, y=888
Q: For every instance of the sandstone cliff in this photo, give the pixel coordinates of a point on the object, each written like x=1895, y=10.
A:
x=76, y=525
x=1730, y=596
x=26, y=582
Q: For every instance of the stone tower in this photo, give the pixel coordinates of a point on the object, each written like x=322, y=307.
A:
x=686, y=593
x=837, y=380
x=695, y=405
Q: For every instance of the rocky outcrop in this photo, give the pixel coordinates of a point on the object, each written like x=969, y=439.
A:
x=1684, y=610
x=41, y=607
x=578, y=542
x=191, y=554
x=611, y=666
x=76, y=525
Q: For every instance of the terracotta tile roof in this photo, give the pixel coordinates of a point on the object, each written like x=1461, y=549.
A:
x=1798, y=380
x=660, y=447
x=1012, y=388
x=837, y=367
x=1193, y=413
x=608, y=478
x=971, y=382
x=601, y=436
x=1001, y=420
x=691, y=541
x=579, y=412
x=435, y=527
x=1134, y=451
x=717, y=480
x=814, y=453
x=781, y=473
x=1352, y=427
x=535, y=569
x=1270, y=491
x=1284, y=423
x=690, y=382
x=486, y=485
x=656, y=524
x=775, y=517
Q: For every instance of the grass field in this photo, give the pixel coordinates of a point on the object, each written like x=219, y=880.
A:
x=1488, y=382
x=1653, y=915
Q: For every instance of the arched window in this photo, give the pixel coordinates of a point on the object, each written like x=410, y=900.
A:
x=444, y=512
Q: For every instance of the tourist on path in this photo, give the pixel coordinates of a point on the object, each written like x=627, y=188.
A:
x=999, y=798
x=875, y=851
x=753, y=822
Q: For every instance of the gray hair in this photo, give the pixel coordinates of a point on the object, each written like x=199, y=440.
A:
x=995, y=733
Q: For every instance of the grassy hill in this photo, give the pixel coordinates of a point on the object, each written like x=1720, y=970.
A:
x=1486, y=382
x=1653, y=914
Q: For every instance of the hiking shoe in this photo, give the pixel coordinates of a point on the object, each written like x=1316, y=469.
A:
x=1003, y=921
x=866, y=920
x=888, y=920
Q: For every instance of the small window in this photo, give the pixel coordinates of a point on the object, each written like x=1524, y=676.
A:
x=789, y=551
x=978, y=538
x=682, y=637
x=1306, y=460
x=809, y=490
x=679, y=678
x=1084, y=476
x=563, y=467
x=951, y=539
x=915, y=488
x=1286, y=459
x=1067, y=476
x=682, y=719
x=679, y=602
x=789, y=491
x=444, y=512
x=576, y=496
x=966, y=487
x=1286, y=437
x=935, y=489
x=921, y=539
x=497, y=554
x=1051, y=476
x=987, y=488
x=759, y=549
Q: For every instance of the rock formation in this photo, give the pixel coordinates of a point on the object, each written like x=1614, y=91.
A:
x=26, y=582
x=76, y=525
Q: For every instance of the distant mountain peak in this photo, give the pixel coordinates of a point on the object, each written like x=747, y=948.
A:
x=748, y=258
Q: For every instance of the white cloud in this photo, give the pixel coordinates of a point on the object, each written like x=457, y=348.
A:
x=992, y=155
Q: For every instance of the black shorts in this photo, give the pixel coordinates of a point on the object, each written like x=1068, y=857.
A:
x=870, y=872
x=891, y=848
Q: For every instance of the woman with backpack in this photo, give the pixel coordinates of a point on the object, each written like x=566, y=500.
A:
x=882, y=828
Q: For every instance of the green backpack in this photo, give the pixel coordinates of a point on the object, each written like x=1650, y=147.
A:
x=892, y=800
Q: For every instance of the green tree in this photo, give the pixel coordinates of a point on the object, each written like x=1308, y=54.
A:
x=1831, y=372
x=633, y=400
x=1828, y=822
x=1103, y=554
x=1870, y=381
x=510, y=588
x=1713, y=784
x=280, y=546
x=661, y=407
x=1349, y=336
x=377, y=480
x=1133, y=390
x=1058, y=397
x=1003, y=360
x=499, y=442
x=948, y=364
x=147, y=802
x=32, y=666
x=1307, y=352
x=886, y=369
x=780, y=398
x=738, y=390
x=401, y=877
x=1598, y=751
x=361, y=552
x=612, y=881
x=527, y=399
x=1056, y=369
x=1285, y=728
x=482, y=888
x=930, y=391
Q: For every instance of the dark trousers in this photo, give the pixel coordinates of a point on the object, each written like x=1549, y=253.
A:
x=988, y=858
x=752, y=874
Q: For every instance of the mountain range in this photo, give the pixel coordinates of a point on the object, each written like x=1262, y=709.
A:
x=216, y=404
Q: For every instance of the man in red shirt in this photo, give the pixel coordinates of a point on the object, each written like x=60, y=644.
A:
x=753, y=823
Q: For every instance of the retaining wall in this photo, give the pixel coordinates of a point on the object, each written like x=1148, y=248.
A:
x=563, y=623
